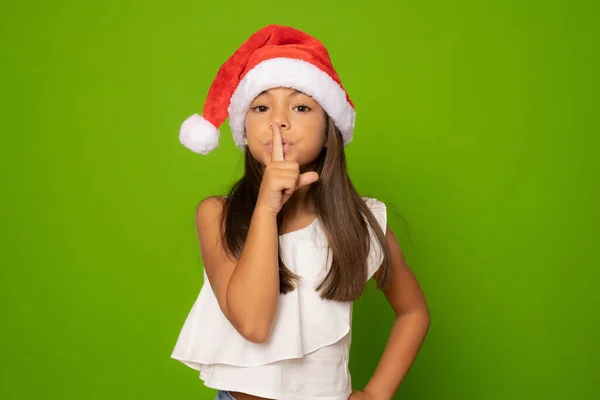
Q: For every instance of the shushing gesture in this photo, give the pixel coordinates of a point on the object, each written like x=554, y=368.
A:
x=281, y=178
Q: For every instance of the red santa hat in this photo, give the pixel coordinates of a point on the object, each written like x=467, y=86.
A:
x=275, y=56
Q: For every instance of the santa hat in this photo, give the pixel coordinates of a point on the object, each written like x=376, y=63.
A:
x=275, y=56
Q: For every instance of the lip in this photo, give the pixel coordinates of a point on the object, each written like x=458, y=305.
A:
x=284, y=141
x=287, y=146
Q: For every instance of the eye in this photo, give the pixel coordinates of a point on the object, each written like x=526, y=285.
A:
x=302, y=108
x=260, y=109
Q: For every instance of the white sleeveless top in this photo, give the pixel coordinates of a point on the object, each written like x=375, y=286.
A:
x=306, y=354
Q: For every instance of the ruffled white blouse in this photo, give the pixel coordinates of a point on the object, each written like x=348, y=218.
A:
x=306, y=354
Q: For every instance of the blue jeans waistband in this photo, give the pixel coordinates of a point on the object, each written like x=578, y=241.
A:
x=224, y=395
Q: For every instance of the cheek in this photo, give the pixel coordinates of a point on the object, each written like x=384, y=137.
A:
x=255, y=145
x=251, y=124
x=313, y=142
x=258, y=152
x=317, y=129
x=315, y=124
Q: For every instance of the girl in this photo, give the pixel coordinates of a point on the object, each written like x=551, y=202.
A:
x=291, y=247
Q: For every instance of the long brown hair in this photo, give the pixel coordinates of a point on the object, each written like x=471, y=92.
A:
x=340, y=210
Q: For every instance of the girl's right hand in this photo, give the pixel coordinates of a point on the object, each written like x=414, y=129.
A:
x=281, y=178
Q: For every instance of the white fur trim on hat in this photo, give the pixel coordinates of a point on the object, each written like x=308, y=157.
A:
x=199, y=135
x=296, y=74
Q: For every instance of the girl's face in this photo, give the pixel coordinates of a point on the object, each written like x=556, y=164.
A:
x=301, y=120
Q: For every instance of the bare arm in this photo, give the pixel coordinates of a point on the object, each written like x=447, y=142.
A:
x=409, y=329
x=247, y=289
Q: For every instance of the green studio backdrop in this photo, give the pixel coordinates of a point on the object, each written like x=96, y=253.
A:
x=476, y=123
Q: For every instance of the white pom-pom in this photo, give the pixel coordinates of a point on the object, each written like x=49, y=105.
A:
x=199, y=135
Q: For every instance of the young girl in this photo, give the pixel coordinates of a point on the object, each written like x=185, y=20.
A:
x=292, y=245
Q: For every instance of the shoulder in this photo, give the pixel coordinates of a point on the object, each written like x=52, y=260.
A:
x=377, y=207
x=378, y=236
x=372, y=202
x=379, y=211
x=209, y=209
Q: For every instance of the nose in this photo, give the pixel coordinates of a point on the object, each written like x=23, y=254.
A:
x=281, y=119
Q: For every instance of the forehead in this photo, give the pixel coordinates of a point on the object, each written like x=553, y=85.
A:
x=281, y=92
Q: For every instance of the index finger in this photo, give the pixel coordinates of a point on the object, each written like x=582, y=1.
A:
x=277, y=144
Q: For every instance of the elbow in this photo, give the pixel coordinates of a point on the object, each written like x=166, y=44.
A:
x=254, y=333
x=425, y=319
x=427, y=322
x=424, y=315
x=419, y=316
x=252, y=324
x=254, y=328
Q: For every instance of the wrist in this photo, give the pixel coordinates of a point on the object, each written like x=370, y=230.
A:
x=264, y=211
x=374, y=394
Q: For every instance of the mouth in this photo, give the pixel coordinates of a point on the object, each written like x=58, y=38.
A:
x=284, y=141
x=287, y=146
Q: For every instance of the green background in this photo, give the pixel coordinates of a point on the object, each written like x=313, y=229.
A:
x=477, y=122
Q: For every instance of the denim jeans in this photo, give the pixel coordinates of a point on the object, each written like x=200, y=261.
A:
x=224, y=395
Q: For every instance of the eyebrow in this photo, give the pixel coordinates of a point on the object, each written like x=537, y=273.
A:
x=294, y=93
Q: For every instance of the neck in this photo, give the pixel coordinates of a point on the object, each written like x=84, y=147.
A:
x=300, y=203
